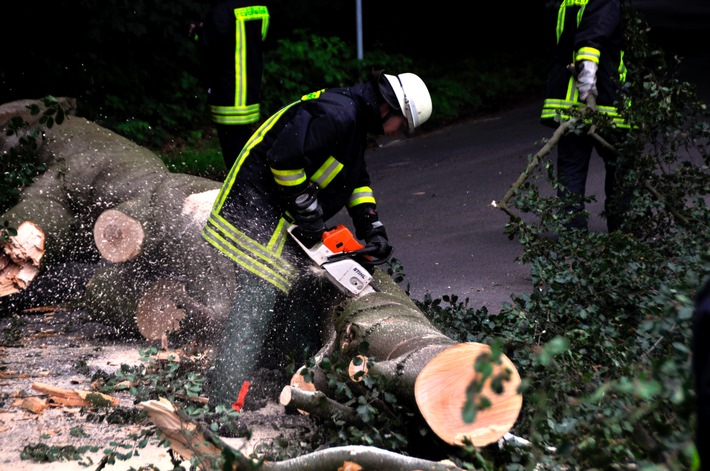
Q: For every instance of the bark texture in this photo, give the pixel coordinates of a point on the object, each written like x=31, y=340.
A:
x=425, y=368
x=106, y=200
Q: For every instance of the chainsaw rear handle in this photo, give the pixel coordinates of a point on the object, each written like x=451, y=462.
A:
x=362, y=255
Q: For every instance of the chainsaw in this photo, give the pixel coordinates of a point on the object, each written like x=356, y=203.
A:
x=336, y=254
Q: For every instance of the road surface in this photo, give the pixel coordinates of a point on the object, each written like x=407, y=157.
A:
x=434, y=195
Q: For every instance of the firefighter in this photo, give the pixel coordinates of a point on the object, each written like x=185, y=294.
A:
x=302, y=165
x=230, y=42
x=588, y=60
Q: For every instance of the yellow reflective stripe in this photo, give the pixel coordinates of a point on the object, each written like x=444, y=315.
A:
x=554, y=107
x=560, y=21
x=622, y=68
x=255, y=139
x=246, y=263
x=561, y=14
x=278, y=239
x=247, y=243
x=580, y=13
x=249, y=254
x=361, y=195
x=241, y=16
x=254, y=12
x=289, y=177
x=588, y=54
x=235, y=114
x=312, y=95
x=572, y=92
x=325, y=174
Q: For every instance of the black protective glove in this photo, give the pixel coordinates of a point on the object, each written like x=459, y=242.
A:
x=376, y=239
x=369, y=228
x=308, y=216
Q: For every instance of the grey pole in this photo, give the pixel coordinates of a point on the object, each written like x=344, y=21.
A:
x=358, y=15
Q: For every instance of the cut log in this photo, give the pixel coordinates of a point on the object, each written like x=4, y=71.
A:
x=316, y=403
x=20, y=258
x=165, y=307
x=75, y=397
x=127, y=297
x=440, y=391
x=424, y=368
x=118, y=236
x=111, y=296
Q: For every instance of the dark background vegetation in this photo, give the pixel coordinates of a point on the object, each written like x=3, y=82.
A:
x=133, y=68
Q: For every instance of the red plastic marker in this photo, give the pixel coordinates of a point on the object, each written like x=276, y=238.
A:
x=239, y=403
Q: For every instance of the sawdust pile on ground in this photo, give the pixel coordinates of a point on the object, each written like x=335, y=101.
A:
x=61, y=349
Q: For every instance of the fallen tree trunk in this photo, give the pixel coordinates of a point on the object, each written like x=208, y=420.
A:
x=106, y=197
x=425, y=368
x=136, y=301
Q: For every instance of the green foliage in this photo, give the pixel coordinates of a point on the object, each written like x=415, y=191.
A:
x=303, y=64
x=604, y=337
x=20, y=165
x=43, y=453
x=383, y=421
x=203, y=158
x=177, y=381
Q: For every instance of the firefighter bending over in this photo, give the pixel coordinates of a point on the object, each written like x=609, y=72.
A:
x=302, y=166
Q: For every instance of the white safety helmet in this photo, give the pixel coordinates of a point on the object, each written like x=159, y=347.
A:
x=413, y=97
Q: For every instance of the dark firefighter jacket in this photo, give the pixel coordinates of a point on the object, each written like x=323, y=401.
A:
x=586, y=30
x=321, y=138
x=230, y=44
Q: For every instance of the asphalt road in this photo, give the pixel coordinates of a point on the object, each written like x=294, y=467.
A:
x=434, y=194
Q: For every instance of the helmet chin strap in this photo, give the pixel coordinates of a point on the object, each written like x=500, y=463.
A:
x=409, y=110
x=387, y=116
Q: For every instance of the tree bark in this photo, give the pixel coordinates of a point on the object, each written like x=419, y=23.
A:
x=425, y=368
x=106, y=197
x=316, y=403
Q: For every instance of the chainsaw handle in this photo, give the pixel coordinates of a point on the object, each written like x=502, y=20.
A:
x=362, y=253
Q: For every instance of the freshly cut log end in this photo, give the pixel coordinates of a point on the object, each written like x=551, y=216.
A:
x=440, y=393
x=158, y=313
x=299, y=381
x=118, y=237
x=357, y=364
x=199, y=205
x=20, y=258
